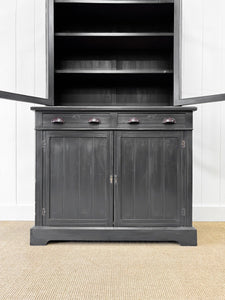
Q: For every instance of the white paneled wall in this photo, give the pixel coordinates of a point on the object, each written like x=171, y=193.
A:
x=209, y=162
x=23, y=70
x=203, y=73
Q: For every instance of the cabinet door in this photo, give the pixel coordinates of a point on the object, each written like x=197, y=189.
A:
x=26, y=57
x=77, y=187
x=199, y=53
x=148, y=168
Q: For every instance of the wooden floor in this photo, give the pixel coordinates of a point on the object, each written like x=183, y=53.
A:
x=112, y=270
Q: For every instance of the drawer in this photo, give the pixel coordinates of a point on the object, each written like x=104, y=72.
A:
x=155, y=120
x=82, y=120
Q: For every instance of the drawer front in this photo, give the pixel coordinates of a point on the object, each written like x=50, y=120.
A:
x=85, y=120
x=155, y=120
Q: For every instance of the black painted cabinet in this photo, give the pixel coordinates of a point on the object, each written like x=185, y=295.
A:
x=78, y=166
x=148, y=170
x=119, y=52
x=114, y=174
x=83, y=189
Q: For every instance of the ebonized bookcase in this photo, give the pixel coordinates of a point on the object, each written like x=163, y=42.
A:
x=113, y=144
x=115, y=164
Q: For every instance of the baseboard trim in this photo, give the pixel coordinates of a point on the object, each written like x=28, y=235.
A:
x=26, y=213
x=17, y=212
x=209, y=213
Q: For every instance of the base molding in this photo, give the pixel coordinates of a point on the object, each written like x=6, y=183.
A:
x=185, y=236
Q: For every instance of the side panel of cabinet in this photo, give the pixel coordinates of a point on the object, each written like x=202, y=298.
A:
x=149, y=189
x=77, y=169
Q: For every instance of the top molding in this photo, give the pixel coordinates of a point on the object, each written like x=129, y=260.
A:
x=116, y=1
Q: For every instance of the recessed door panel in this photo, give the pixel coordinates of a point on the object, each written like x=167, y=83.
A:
x=78, y=187
x=148, y=169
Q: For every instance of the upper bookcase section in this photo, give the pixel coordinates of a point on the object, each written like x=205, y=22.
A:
x=114, y=52
x=118, y=52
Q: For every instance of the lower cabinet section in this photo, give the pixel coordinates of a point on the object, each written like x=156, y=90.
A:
x=113, y=185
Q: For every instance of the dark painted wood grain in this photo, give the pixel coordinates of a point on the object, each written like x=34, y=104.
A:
x=78, y=120
x=148, y=166
x=185, y=236
x=115, y=108
x=116, y=1
x=73, y=120
x=38, y=176
x=78, y=168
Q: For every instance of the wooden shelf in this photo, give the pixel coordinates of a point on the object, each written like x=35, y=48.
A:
x=112, y=72
x=114, y=34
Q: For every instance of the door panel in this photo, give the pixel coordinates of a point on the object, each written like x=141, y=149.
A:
x=23, y=55
x=78, y=169
x=199, y=51
x=148, y=166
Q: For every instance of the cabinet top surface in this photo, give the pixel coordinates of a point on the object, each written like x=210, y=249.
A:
x=115, y=1
x=115, y=108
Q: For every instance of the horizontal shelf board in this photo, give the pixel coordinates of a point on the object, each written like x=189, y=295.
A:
x=114, y=34
x=116, y=1
x=145, y=72
x=116, y=41
x=108, y=61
